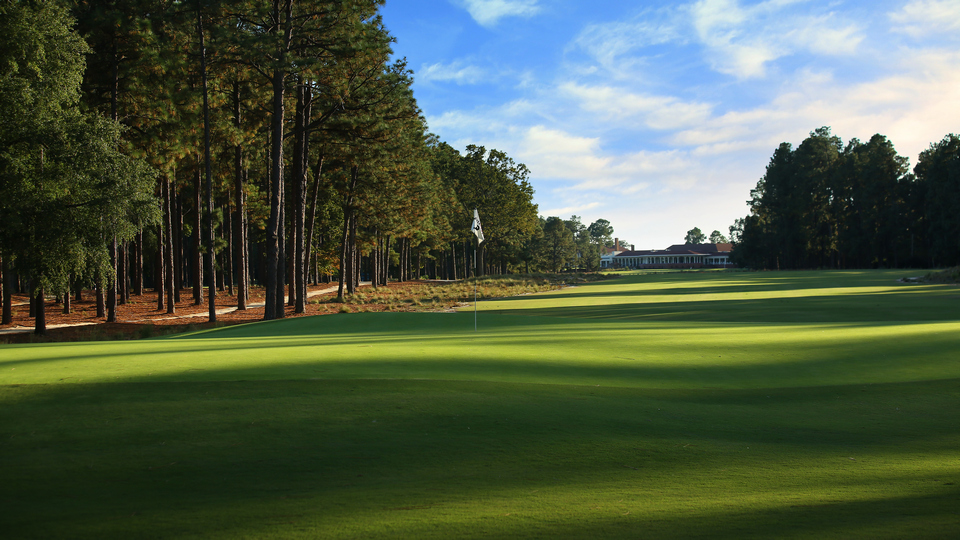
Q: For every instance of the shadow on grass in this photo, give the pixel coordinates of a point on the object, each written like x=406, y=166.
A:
x=436, y=459
x=522, y=349
x=740, y=283
x=850, y=307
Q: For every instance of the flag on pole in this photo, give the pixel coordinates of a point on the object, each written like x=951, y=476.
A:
x=476, y=227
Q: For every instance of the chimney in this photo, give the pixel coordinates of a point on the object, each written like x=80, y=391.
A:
x=616, y=244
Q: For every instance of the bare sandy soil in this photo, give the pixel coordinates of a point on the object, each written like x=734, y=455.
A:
x=139, y=316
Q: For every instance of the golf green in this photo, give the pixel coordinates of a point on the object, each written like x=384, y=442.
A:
x=728, y=405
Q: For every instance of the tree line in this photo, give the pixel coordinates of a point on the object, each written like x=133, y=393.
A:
x=177, y=145
x=827, y=204
x=696, y=236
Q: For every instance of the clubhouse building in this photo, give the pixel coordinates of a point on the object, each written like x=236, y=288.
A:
x=676, y=256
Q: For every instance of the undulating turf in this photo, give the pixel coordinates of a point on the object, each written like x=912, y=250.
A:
x=733, y=405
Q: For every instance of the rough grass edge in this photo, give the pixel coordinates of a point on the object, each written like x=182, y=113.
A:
x=949, y=275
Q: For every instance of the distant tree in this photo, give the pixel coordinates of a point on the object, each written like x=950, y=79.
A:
x=826, y=205
x=815, y=165
x=938, y=173
x=581, y=240
x=559, y=242
x=716, y=237
x=695, y=236
x=868, y=203
x=736, y=230
x=600, y=233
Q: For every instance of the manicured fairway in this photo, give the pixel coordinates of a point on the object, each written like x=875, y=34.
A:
x=729, y=405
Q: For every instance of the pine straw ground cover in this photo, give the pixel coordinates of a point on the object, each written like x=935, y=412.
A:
x=714, y=405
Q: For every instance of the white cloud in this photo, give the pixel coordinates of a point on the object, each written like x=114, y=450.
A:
x=583, y=166
x=489, y=12
x=906, y=106
x=922, y=18
x=454, y=72
x=553, y=153
x=620, y=106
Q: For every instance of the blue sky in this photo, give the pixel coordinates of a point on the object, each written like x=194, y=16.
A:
x=661, y=116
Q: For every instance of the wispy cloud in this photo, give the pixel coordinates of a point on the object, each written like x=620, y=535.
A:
x=456, y=72
x=735, y=39
x=489, y=12
x=741, y=41
x=569, y=210
x=923, y=18
x=609, y=42
x=622, y=106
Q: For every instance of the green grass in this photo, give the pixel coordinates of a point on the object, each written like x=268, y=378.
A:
x=714, y=405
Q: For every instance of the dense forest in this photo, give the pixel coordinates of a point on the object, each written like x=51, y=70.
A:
x=858, y=205
x=204, y=146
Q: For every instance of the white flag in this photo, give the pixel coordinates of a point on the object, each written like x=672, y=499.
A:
x=476, y=227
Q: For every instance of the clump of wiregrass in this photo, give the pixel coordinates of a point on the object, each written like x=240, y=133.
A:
x=949, y=275
x=439, y=296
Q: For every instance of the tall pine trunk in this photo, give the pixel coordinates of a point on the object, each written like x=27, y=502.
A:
x=40, y=326
x=375, y=261
x=453, y=261
x=176, y=202
x=290, y=258
x=282, y=258
x=312, y=217
x=98, y=293
x=112, y=283
x=137, y=284
x=211, y=239
x=354, y=257
x=197, y=237
x=274, y=222
x=227, y=230
x=344, y=259
x=66, y=295
x=168, y=275
x=386, y=262
x=158, y=280
x=240, y=236
x=123, y=293
x=346, y=254
x=7, y=270
x=114, y=115
x=274, y=281
x=301, y=153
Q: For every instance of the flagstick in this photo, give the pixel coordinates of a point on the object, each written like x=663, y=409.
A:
x=474, y=289
x=478, y=231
